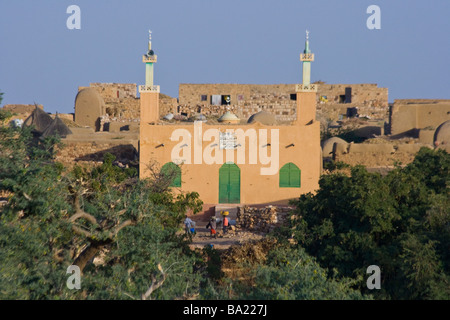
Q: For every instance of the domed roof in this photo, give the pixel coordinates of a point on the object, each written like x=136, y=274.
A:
x=263, y=117
x=89, y=94
x=89, y=106
x=327, y=145
x=200, y=117
x=442, y=134
x=229, y=117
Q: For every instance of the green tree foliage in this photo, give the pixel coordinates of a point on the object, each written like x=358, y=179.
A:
x=290, y=274
x=284, y=273
x=399, y=222
x=126, y=242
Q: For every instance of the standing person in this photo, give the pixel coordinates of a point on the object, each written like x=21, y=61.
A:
x=188, y=224
x=226, y=222
x=212, y=225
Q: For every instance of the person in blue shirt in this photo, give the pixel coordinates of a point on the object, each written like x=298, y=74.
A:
x=188, y=224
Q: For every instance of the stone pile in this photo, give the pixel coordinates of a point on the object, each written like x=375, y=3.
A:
x=261, y=219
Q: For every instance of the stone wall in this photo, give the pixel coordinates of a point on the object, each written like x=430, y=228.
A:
x=66, y=116
x=167, y=104
x=21, y=108
x=376, y=155
x=279, y=99
x=246, y=99
x=261, y=219
x=368, y=95
x=90, y=153
x=111, y=91
x=408, y=116
x=21, y=111
x=122, y=103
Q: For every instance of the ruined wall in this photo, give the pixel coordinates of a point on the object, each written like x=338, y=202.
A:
x=122, y=103
x=111, y=91
x=167, y=104
x=363, y=94
x=408, y=116
x=279, y=99
x=21, y=111
x=376, y=155
x=120, y=99
x=246, y=99
x=90, y=153
x=66, y=116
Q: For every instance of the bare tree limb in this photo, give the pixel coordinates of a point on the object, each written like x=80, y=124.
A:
x=155, y=284
x=27, y=196
x=123, y=225
x=76, y=203
x=81, y=231
x=129, y=295
x=81, y=214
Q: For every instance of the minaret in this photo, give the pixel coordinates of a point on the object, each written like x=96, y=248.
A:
x=306, y=92
x=307, y=57
x=149, y=59
x=149, y=92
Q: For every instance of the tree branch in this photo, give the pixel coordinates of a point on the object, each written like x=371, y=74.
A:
x=123, y=225
x=155, y=284
x=81, y=214
x=80, y=231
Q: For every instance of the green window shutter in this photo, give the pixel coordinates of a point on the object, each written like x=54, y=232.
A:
x=290, y=176
x=284, y=176
x=294, y=176
x=170, y=167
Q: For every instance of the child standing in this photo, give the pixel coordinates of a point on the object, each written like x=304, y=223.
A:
x=212, y=225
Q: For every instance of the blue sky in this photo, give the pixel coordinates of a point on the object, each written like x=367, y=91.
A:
x=211, y=41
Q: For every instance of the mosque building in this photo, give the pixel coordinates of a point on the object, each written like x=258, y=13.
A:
x=235, y=162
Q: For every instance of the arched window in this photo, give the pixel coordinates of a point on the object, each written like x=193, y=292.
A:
x=290, y=176
x=173, y=171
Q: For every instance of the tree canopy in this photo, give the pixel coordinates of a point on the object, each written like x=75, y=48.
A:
x=400, y=222
x=103, y=220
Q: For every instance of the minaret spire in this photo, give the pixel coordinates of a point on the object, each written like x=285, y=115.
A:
x=149, y=40
x=307, y=57
x=149, y=59
x=306, y=92
x=307, y=43
x=149, y=92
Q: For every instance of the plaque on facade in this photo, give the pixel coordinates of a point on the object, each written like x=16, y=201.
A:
x=227, y=140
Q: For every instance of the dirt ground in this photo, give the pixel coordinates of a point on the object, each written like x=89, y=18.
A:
x=203, y=238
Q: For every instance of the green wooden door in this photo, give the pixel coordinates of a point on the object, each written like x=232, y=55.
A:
x=229, y=183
